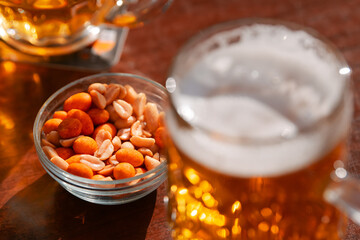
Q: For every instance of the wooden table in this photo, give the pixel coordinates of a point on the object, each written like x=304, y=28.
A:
x=34, y=206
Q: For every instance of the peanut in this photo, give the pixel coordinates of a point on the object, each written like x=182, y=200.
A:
x=116, y=143
x=131, y=94
x=136, y=129
x=98, y=116
x=101, y=88
x=131, y=156
x=122, y=108
x=93, y=162
x=151, y=163
x=151, y=115
x=69, y=128
x=124, y=123
x=68, y=142
x=86, y=122
x=112, y=93
x=124, y=134
x=108, y=127
x=105, y=150
x=64, y=153
x=49, y=151
x=80, y=169
x=142, y=142
x=124, y=170
x=101, y=136
x=60, y=114
x=53, y=137
x=127, y=145
x=139, y=104
x=51, y=125
x=61, y=163
x=80, y=101
x=85, y=145
x=98, y=99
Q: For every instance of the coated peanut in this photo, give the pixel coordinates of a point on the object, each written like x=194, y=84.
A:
x=109, y=132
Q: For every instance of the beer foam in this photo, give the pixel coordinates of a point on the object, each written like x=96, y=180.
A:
x=275, y=83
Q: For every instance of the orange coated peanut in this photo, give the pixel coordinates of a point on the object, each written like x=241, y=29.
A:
x=98, y=116
x=131, y=156
x=80, y=101
x=124, y=170
x=64, y=152
x=85, y=145
x=60, y=114
x=84, y=118
x=69, y=128
x=80, y=169
x=51, y=125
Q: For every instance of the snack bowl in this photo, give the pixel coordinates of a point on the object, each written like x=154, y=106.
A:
x=96, y=191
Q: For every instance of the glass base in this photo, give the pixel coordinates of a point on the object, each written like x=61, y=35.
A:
x=98, y=56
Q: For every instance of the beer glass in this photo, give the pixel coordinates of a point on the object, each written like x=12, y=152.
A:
x=260, y=112
x=56, y=27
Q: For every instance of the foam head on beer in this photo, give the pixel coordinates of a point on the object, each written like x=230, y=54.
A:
x=257, y=97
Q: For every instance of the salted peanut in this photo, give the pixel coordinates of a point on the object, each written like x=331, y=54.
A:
x=98, y=177
x=162, y=158
x=146, y=134
x=122, y=108
x=154, y=148
x=64, y=153
x=151, y=163
x=107, y=170
x=161, y=119
x=80, y=101
x=127, y=145
x=61, y=163
x=69, y=128
x=107, y=127
x=124, y=134
x=85, y=145
x=131, y=94
x=86, y=122
x=113, y=161
x=105, y=150
x=139, y=171
x=145, y=151
x=124, y=123
x=51, y=125
x=116, y=142
x=45, y=142
x=160, y=136
x=113, y=116
x=124, y=170
x=73, y=159
x=156, y=156
x=101, y=136
x=123, y=91
x=98, y=116
x=68, y=142
x=93, y=162
x=112, y=92
x=53, y=137
x=81, y=170
x=136, y=129
x=98, y=99
x=142, y=142
x=100, y=87
x=49, y=152
x=60, y=114
x=151, y=115
x=131, y=156
x=139, y=104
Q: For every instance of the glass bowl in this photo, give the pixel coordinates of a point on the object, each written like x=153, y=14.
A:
x=96, y=191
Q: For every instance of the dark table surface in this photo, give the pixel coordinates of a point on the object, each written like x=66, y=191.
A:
x=34, y=206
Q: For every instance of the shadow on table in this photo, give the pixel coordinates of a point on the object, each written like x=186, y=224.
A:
x=44, y=210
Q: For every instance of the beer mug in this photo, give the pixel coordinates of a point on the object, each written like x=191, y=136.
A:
x=259, y=117
x=56, y=27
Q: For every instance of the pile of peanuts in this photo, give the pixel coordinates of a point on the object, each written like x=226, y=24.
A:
x=108, y=132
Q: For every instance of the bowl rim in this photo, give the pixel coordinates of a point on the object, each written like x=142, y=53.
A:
x=80, y=181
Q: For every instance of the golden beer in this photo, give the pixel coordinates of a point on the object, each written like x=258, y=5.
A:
x=56, y=27
x=256, y=132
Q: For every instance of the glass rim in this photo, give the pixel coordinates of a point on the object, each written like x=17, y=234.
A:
x=222, y=27
x=78, y=181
